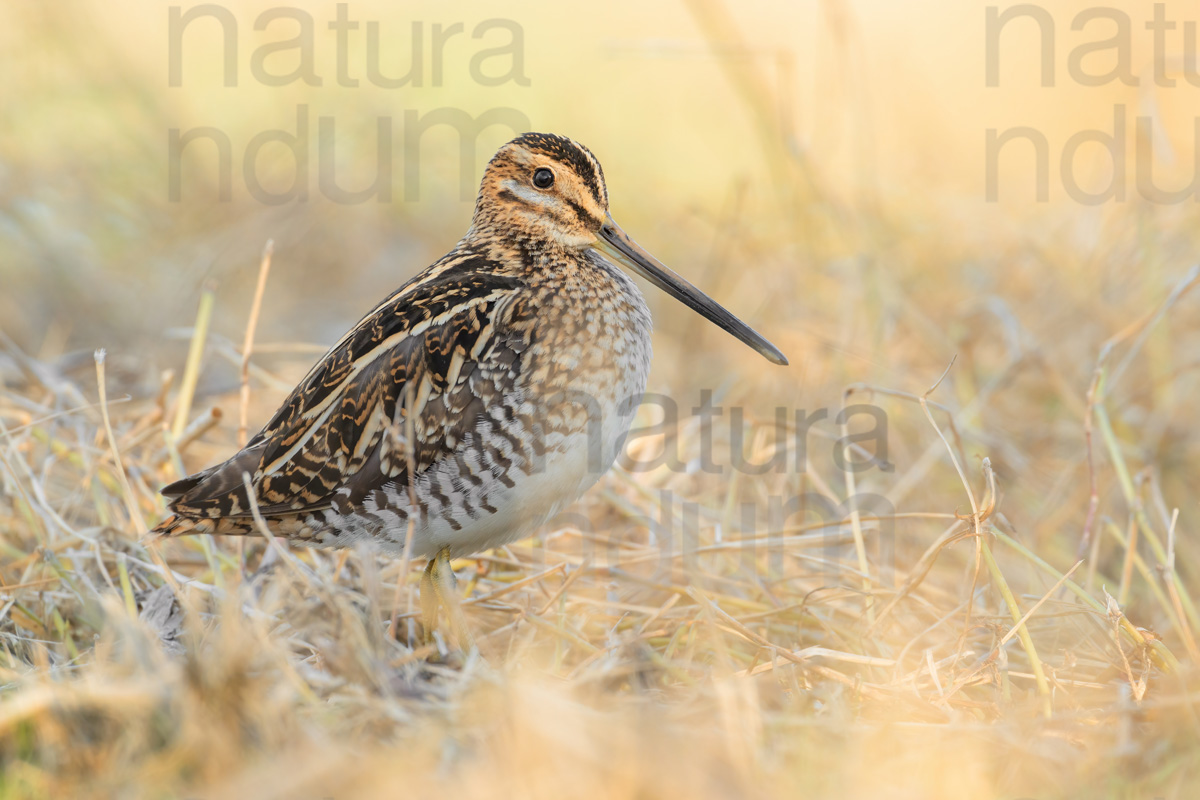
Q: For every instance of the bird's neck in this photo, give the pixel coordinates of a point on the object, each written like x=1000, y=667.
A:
x=516, y=254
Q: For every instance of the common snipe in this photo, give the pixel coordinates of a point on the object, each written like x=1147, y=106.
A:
x=479, y=399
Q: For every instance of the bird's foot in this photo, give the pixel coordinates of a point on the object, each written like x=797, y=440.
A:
x=439, y=589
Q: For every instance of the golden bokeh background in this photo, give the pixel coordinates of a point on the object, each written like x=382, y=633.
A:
x=821, y=168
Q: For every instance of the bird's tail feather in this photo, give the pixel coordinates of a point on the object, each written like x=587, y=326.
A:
x=178, y=525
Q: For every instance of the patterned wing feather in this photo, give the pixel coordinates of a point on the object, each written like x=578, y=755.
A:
x=426, y=364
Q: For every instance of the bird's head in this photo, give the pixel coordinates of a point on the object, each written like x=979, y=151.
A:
x=547, y=188
x=541, y=187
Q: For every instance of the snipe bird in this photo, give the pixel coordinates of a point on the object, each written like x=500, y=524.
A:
x=475, y=402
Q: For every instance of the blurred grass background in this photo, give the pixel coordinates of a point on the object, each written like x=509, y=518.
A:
x=819, y=167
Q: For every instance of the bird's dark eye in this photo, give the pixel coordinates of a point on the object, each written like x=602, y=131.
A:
x=543, y=178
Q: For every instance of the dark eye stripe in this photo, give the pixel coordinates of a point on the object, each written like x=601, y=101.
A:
x=509, y=194
x=579, y=210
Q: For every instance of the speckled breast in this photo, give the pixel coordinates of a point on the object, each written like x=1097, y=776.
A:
x=581, y=341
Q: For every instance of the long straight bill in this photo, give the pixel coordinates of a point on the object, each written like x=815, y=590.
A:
x=616, y=244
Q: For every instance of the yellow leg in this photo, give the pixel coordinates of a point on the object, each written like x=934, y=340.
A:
x=447, y=585
x=429, y=600
x=439, y=588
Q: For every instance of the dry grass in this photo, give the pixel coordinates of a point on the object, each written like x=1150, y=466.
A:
x=613, y=660
x=1014, y=615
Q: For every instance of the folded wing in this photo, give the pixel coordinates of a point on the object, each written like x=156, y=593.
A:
x=398, y=393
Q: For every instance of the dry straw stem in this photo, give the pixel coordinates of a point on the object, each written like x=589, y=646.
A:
x=860, y=546
x=978, y=519
x=1183, y=608
x=131, y=503
x=406, y=557
x=260, y=288
x=191, y=369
